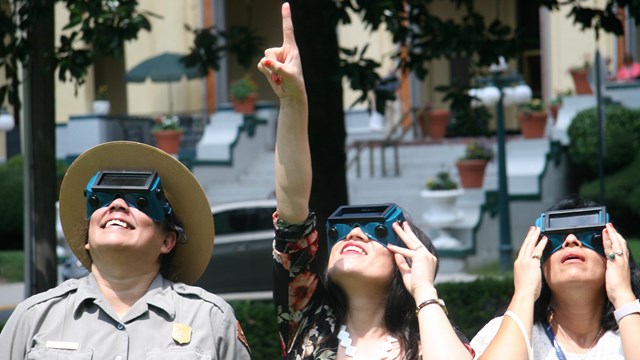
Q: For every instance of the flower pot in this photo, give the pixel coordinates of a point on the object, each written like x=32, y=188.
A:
x=441, y=205
x=581, y=81
x=168, y=140
x=471, y=172
x=433, y=123
x=246, y=106
x=532, y=124
x=101, y=107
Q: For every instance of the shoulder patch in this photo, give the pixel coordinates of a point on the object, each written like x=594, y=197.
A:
x=241, y=337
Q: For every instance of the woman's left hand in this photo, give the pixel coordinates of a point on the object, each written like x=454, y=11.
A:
x=618, y=275
x=419, y=276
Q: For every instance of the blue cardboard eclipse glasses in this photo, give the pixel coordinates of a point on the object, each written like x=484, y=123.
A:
x=374, y=220
x=586, y=224
x=139, y=188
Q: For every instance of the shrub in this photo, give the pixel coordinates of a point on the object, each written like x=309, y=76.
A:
x=472, y=304
x=258, y=320
x=11, y=206
x=622, y=139
x=622, y=196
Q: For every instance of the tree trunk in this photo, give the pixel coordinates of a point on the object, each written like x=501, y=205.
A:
x=38, y=149
x=315, y=23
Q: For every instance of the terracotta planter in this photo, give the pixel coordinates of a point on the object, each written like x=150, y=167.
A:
x=433, y=123
x=471, y=172
x=532, y=124
x=246, y=106
x=168, y=140
x=438, y=120
x=581, y=82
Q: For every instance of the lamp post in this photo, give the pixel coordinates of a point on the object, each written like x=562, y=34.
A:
x=6, y=124
x=503, y=88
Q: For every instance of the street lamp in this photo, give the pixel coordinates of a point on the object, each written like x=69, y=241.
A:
x=502, y=88
x=6, y=120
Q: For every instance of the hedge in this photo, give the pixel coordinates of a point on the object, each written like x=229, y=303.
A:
x=11, y=206
x=471, y=305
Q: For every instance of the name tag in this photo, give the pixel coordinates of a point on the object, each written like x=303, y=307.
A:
x=62, y=345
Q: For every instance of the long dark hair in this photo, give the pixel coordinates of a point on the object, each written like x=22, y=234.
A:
x=399, y=310
x=607, y=321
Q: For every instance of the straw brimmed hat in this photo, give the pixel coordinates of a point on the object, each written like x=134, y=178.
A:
x=181, y=189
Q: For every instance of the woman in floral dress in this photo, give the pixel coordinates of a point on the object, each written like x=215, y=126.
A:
x=371, y=301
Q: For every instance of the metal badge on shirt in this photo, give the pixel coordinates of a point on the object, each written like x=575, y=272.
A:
x=181, y=333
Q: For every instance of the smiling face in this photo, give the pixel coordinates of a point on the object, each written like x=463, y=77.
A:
x=126, y=232
x=358, y=258
x=574, y=264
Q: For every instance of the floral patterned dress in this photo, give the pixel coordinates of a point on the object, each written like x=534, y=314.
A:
x=306, y=321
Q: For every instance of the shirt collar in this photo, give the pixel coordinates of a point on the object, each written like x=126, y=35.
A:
x=159, y=294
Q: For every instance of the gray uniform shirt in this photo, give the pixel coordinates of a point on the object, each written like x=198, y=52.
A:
x=171, y=321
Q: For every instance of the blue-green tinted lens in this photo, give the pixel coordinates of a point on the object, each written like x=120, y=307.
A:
x=589, y=239
x=150, y=201
x=377, y=231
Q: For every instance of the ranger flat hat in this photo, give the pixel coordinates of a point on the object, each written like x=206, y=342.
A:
x=182, y=190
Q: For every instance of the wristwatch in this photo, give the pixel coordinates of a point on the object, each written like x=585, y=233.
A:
x=628, y=309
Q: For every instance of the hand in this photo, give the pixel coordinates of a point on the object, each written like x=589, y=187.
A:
x=281, y=65
x=617, y=274
x=527, y=276
x=418, y=277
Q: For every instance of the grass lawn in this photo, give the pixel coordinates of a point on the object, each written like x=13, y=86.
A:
x=12, y=265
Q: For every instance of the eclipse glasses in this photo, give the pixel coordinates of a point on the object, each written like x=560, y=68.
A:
x=374, y=220
x=586, y=224
x=139, y=188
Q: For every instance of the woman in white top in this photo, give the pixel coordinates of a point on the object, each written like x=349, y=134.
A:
x=582, y=305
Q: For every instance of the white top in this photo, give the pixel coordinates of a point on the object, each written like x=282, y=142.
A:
x=608, y=347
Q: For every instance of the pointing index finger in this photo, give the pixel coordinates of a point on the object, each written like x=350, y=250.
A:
x=287, y=25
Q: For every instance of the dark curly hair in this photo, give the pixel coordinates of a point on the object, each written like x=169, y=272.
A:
x=608, y=321
x=400, y=317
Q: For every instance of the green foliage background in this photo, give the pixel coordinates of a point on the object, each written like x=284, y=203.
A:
x=11, y=206
x=621, y=162
x=471, y=305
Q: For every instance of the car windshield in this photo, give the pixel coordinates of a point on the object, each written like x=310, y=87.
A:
x=243, y=220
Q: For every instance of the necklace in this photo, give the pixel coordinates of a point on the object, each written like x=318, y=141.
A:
x=566, y=338
x=351, y=351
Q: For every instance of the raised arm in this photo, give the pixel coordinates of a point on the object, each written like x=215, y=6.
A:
x=509, y=342
x=620, y=291
x=283, y=70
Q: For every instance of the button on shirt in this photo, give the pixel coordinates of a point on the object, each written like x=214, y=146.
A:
x=74, y=320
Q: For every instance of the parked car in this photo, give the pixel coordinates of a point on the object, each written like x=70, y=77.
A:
x=241, y=260
x=71, y=267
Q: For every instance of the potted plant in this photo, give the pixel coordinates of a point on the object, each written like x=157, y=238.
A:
x=554, y=106
x=472, y=165
x=532, y=118
x=167, y=132
x=243, y=94
x=441, y=193
x=580, y=76
x=433, y=122
x=101, y=105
